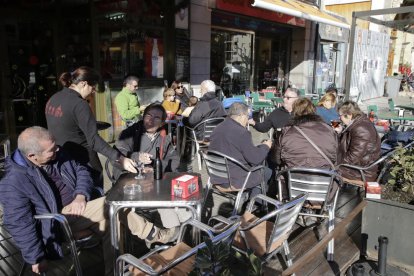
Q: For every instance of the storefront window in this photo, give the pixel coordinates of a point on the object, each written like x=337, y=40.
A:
x=131, y=39
x=231, y=60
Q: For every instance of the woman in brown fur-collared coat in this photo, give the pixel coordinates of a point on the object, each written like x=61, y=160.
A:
x=359, y=143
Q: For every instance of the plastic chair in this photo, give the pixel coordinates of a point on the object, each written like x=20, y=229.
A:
x=267, y=235
x=199, y=135
x=217, y=165
x=180, y=258
x=255, y=96
x=361, y=182
x=269, y=96
x=318, y=183
x=373, y=108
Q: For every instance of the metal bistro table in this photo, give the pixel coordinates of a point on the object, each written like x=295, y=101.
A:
x=409, y=107
x=155, y=194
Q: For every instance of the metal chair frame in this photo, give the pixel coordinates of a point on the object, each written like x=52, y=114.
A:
x=217, y=235
x=283, y=219
x=380, y=160
x=317, y=183
x=69, y=237
x=217, y=164
x=207, y=126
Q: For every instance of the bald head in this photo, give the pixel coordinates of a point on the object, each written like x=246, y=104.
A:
x=30, y=140
x=207, y=86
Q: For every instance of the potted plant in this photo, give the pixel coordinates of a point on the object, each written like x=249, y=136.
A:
x=392, y=216
x=400, y=184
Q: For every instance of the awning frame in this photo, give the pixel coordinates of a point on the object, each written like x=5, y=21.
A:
x=298, y=13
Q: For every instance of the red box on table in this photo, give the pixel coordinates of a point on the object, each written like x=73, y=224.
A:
x=373, y=190
x=184, y=186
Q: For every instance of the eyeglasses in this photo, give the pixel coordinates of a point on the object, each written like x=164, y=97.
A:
x=149, y=117
x=287, y=97
x=180, y=86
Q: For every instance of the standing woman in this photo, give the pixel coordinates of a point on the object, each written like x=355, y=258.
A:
x=72, y=123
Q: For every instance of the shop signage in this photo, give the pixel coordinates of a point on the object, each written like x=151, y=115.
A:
x=333, y=33
x=244, y=7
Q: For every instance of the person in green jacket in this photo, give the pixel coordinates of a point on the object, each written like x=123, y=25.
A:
x=127, y=102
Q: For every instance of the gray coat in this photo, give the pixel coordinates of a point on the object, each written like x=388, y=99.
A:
x=234, y=140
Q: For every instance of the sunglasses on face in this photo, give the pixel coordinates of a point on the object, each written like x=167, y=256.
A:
x=288, y=98
x=180, y=86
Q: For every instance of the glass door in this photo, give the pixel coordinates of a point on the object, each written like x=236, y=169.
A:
x=231, y=60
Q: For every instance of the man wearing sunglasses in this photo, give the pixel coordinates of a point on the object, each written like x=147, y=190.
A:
x=279, y=117
x=126, y=101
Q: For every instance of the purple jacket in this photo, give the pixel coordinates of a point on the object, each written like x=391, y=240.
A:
x=24, y=192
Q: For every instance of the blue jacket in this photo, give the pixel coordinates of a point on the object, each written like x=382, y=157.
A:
x=24, y=192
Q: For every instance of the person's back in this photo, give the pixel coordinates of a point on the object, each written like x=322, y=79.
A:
x=208, y=105
x=233, y=139
x=296, y=150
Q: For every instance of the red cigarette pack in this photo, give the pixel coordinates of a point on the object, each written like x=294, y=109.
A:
x=373, y=190
x=184, y=186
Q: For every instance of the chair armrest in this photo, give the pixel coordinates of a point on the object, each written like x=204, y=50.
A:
x=222, y=220
x=138, y=263
x=259, y=220
x=352, y=167
x=201, y=226
x=262, y=197
x=259, y=167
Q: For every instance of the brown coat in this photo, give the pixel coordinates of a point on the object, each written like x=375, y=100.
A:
x=359, y=145
x=296, y=151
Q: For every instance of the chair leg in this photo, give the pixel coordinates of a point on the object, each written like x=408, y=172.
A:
x=331, y=226
x=287, y=253
x=23, y=268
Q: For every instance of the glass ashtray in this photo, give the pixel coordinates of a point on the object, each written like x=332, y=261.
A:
x=132, y=189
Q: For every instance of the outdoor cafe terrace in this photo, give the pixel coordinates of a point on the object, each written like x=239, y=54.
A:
x=307, y=244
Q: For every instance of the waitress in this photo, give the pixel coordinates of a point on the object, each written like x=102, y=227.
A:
x=72, y=123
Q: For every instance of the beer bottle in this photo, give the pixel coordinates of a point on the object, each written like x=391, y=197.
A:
x=157, y=165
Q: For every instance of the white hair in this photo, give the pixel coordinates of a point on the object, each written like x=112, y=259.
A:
x=207, y=86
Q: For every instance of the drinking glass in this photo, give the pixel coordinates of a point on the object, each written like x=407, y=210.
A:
x=335, y=123
x=140, y=168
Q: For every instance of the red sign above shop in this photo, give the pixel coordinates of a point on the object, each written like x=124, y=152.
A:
x=244, y=7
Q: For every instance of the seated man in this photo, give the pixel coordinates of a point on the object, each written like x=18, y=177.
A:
x=233, y=139
x=207, y=107
x=41, y=179
x=139, y=142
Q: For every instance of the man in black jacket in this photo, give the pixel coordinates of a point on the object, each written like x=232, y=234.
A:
x=208, y=105
x=279, y=117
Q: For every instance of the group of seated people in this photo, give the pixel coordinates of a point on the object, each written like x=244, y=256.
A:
x=41, y=178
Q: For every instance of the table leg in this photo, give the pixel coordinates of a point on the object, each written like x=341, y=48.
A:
x=113, y=219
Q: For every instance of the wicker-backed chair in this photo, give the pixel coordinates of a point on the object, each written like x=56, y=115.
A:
x=180, y=258
x=267, y=235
